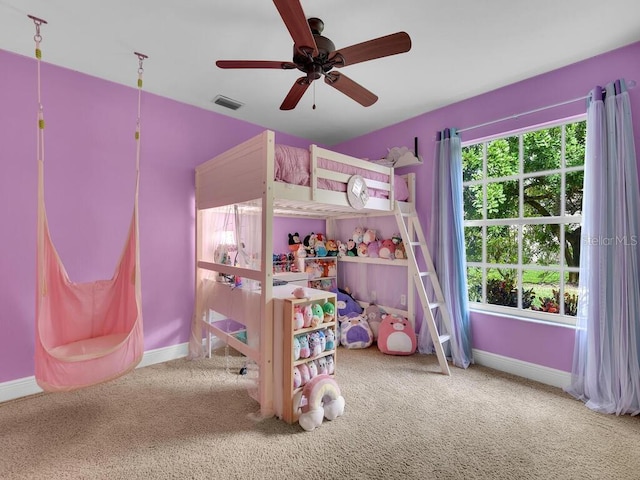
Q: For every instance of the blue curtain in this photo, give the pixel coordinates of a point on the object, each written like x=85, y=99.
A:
x=448, y=248
x=606, y=370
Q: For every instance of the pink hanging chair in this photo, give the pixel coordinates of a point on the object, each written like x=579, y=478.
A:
x=86, y=333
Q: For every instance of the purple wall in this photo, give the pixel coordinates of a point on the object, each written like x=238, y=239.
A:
x=537, y=343
x=89, y=183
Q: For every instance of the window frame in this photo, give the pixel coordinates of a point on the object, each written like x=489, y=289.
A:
x=563, y=219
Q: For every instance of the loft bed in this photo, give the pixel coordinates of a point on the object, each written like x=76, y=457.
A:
x=237, y=195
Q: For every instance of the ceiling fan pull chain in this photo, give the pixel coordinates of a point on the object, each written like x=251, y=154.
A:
x=314, y=97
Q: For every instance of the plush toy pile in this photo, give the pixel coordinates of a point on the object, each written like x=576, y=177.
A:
x=360, y=328
x=367, y=243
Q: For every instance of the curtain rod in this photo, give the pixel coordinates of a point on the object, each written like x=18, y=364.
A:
x=631, y=84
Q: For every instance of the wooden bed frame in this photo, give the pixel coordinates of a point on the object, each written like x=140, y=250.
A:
x=250, y=165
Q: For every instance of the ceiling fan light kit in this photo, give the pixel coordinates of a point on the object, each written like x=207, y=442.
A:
x=315, y=55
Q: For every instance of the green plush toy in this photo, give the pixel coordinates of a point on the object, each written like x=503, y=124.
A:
x=329, y=311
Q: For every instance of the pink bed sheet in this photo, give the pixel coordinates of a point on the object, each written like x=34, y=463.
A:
x=292, y=166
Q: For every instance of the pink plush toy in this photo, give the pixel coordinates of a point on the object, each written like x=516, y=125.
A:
x=304, y=373
x=307, y=316
x=396, y=336
x=369, y=236
x=297, y=378
x=298, y=318
x=313, y=369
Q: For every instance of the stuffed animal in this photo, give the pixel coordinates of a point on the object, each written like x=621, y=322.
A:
x=305, y=351
x=332, y=270
x=342, y=248
x=362, y=249
x=296, y=348
x=369, y=236
x=321, y=250
x=352, y=248
x=294, y=242
x=387, y=249
x=298, y=318
x=346, y=303
x=323, y=340
x=373, y=249
x=313, y=369
x=355, y=332
x=329, y=310
x=330, y=339
x=396, y=238
x=330, y=365
x=358, y=234
x=400, y=252
x=304, y=373
x=396, y=336
x=309, y=243
x=374, y=317
x=322, y=366
x=301, y=252
x=308, y=316
x=332, y=248
x=315, y=347
x=297, y=377
x=317, y=315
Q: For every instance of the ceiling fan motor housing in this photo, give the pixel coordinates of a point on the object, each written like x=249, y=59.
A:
x=316, y=66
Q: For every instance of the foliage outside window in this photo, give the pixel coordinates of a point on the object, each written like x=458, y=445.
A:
x=522, y=218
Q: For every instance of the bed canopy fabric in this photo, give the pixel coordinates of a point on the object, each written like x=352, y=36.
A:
x=86, y=333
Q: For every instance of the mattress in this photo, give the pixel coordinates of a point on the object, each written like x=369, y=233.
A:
x=292, y=166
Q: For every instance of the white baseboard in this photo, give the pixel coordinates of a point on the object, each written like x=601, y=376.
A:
x=539, y=373
x=24, y=387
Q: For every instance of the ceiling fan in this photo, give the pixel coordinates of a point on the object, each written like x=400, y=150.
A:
x=316, y=55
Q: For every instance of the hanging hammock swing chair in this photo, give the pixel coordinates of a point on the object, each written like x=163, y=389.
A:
x=86, y=333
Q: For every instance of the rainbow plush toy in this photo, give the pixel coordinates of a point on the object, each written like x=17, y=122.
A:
x=324, y=400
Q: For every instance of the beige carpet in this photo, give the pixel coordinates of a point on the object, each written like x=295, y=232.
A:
x=194, y=420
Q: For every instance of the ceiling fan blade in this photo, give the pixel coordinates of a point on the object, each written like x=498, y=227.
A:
x=255, y=64
x=293, y=17
x=350, y=88
x=295, y=94
x=377, y=48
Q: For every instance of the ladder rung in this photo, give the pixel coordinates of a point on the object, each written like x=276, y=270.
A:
x=424, y=274
x=444, y=338
x=415, y=244
x=433, y=305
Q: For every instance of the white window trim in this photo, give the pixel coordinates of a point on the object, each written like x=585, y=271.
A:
x=518, y=313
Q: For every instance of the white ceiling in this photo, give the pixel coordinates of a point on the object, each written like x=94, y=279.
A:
x=459, y=49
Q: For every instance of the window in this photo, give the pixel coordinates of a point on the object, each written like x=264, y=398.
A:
x=522, y=221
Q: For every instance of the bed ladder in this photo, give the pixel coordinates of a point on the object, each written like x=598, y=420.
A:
x=413, y=238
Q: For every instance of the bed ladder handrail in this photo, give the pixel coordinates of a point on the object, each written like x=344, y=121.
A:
x=413, y=238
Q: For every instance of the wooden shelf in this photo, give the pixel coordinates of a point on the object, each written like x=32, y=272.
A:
x=397, y=262
x=291, y=396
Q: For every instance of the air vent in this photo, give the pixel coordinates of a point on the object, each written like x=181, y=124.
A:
x=227, y=102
